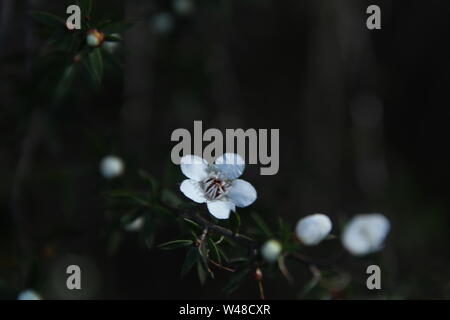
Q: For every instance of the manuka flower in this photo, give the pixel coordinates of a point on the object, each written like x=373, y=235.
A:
x=217, y=184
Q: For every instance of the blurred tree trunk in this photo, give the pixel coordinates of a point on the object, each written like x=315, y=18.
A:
x=138, y=81
x=324, y=113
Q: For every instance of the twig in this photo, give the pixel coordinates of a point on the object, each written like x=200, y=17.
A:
x=204, y=223
x=218, y=265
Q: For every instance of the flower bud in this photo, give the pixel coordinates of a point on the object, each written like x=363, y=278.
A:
x=312, y=229
x=29, y=294
x=94, y=38
x=271, y=250
x=258, y=274
x=365, y=233
x=162, y=23
x=135, y=225
x=183, y=7
x=111, y=167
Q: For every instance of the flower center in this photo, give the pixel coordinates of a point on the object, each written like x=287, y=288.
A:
x=214, y=188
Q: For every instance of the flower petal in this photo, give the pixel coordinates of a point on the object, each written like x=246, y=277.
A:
x=194, y=167
x=221, y=209
x=311, y=230
x=191, y=189
x=231, y=165
x=241, y=193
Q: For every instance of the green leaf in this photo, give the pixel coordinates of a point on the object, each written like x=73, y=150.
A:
x=149, y=230
x=215, y=250
x=48, y=19
x=65, y=82
x=116, y=27
x=114, y=242
x=236, y=222
x=189, y=262
x=191, y=223
x=151, y=181
x=127, y=194
x=236, y=280
x=311, y=284
x=96, y=62
x=202, y=273
x=175, y=244
x=261, y=224
x=86, y=7
x=113, y=38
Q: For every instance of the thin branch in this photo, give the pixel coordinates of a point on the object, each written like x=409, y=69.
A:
x=204, y=223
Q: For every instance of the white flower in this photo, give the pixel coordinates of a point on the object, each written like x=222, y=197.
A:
x=217, y=184
x=183, y=7
x=29, y=294
x=271, y=250
x=313, y=229
x=111, y=167
x=135, y=225
x=365, y=233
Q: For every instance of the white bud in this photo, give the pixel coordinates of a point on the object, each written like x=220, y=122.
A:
x=183, y=7
x=135, y=225
x=365, y=233
x=111, y=167
x=271, y=250
x=162, y=23
x=311, y=230
x=95, y=38
x=29, y=294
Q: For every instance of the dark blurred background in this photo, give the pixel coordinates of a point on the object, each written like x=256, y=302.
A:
x=363, y=125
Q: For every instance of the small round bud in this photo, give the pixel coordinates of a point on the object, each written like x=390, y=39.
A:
x=311, y=230
x=183, y=7
x=162, y=23
x=77, y=58
x=271, y=250
x=94, y=38
x=258, y=275
x=29, y=294
x=111, y=167
x=135, y=225
x=365, y=233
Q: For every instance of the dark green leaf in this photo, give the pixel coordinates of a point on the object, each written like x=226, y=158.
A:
x=261, y=224
x=175, y=244
x=65, y=82
x=113, y=38
x=149, y=230
x=236, y=222
x=127, y=194
x=86, y=7
x=116, y=27
x=191, y=259
x=202, y=273
x=311, y=284
x=48, y=19
x=215, y=250
x=236, y=280
x=114, y=242
x=96, y=62
x=151, y=181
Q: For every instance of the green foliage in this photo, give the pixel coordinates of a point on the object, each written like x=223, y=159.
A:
x=72, y=47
